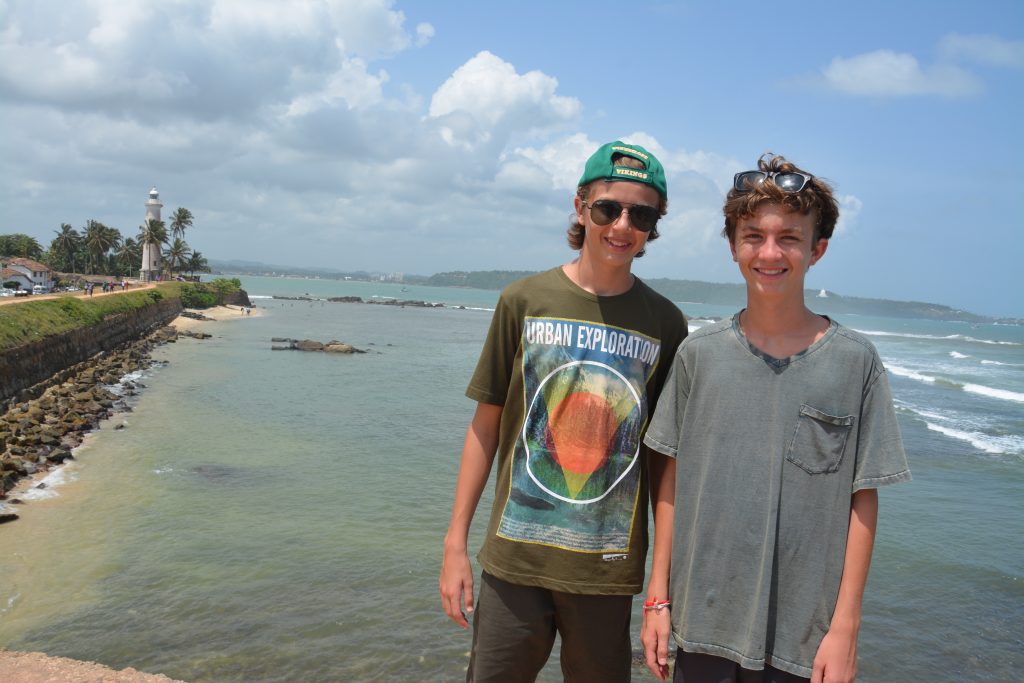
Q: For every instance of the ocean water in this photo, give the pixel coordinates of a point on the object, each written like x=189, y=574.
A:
x=278, y=516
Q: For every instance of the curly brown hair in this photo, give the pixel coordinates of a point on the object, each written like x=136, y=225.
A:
x=816, y=196
x=576, y=232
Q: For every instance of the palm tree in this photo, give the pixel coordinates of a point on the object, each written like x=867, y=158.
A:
x=21, y=245
x=176, y=255
x=152, y=232
x=180, y=221
x=197, y=264
x=65, y=244
x=99, y=239
x=128, y=255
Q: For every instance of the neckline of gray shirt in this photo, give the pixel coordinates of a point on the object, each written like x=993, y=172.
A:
x=782, y=362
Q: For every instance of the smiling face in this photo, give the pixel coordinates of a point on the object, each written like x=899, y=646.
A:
x=613, y=246
x=774, y=248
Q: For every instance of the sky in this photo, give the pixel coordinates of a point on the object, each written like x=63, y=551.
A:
x=419, y=137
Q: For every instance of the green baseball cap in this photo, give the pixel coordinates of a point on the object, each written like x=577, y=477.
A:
x=600, y=167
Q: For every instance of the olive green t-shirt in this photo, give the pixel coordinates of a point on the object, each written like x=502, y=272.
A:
x=577, y=375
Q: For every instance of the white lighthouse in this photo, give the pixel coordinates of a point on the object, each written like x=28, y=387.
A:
x=151, y=251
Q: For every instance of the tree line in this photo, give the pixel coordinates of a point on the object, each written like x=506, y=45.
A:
x=98, y=249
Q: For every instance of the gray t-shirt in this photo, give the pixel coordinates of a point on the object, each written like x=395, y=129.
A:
x=769, y=452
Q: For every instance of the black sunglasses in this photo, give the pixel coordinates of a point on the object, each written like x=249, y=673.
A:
x=788, y=181
x=605, y=211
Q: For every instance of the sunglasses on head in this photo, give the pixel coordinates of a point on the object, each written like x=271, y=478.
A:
x=605, y=211
x=787, y=181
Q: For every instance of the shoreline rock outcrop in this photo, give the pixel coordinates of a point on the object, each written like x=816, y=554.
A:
x=401, y=303
x=333, y=346
x=40, y=433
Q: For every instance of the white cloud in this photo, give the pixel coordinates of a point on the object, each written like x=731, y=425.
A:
x=988, y=50
x=562, y=159
x=885, y=73
x=850, y=207
x=268, y=118
x=117, y=21
x=368, y=28
x=489, y=90
x=424, y=32
x=350, y=85
x=206, y=61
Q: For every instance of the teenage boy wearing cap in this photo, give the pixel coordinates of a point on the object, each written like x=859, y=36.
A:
x=568, y=376
x=781, y=426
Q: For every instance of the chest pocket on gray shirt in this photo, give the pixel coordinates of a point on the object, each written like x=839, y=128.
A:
x=819, y=441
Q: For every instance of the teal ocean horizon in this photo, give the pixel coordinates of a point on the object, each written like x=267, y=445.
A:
x=272, y=516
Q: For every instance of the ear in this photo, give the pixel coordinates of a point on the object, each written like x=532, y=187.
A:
x=578, y=204
x=819, y=250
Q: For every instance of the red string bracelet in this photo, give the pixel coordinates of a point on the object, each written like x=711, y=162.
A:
x=656, y=605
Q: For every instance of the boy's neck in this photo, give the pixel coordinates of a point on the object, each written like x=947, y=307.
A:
x=598, y=280
x=781, y=329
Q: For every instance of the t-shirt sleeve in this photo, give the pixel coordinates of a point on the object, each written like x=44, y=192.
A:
x=493, y=374
x=881, y=459
x=663, y=432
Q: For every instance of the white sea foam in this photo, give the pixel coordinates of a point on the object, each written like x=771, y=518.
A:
x=478, y=308
x=957, y=354
x=927, y=414
x=54, y=480
x=10, y=602
x=120, y=388
x=910, y=374
x=260, y=296
x=996, y=362
x=983, y=442
x=951, y=337
x=1001, y=394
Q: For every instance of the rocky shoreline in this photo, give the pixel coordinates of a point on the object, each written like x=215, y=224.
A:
x=36, y=667
x=401, y=303
x=39, y=434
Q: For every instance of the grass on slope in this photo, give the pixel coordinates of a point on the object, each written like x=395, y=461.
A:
x=28, y=321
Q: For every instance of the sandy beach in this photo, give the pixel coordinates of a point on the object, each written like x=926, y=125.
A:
x=186, y=324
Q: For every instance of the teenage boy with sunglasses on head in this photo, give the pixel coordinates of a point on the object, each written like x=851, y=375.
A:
x=573, y=362
x=781, y=427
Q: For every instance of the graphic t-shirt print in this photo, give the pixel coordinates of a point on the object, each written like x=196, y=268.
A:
x=576, y=465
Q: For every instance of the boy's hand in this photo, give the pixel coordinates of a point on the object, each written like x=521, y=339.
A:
x=654, y=636
x=836, y=660
x=456, y=582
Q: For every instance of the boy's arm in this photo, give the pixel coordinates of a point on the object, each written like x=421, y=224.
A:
x=836, y=660
x=477, y=455
x=657, y=625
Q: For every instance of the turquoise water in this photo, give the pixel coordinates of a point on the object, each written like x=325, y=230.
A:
x=277, y=516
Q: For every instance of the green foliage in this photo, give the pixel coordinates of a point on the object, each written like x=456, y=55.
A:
x=197, y=295
x=225, y=286
x=20, y=245
x=12, y=284
x=208, y=294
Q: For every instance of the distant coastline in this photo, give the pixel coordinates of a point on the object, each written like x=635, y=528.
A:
x=693, y=291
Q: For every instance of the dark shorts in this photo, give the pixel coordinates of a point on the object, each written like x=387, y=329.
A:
x=514, y=630
x=700, y=668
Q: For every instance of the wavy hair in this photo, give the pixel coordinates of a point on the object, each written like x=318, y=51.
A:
x=816, y=197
